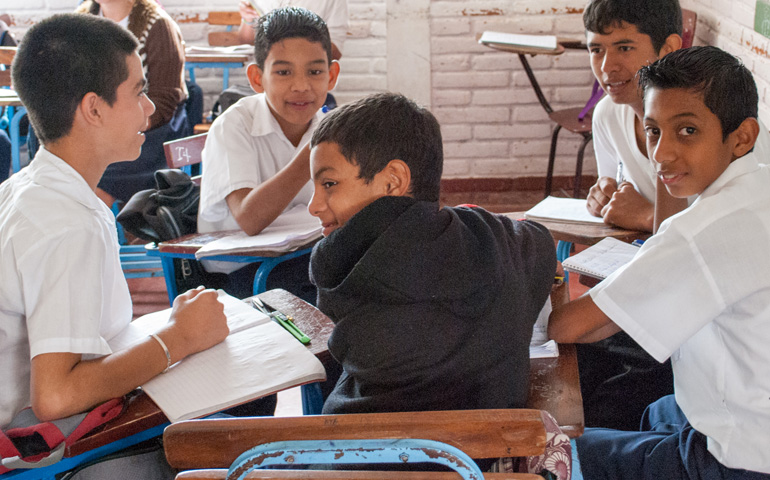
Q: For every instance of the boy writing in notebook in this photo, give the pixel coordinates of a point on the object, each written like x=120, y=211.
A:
x=63, y=293
x=622, y=37
x=433, y=307
x=255, y=160
x=706, y=304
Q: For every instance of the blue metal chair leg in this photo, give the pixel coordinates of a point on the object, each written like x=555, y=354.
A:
x=312, y=399
x=563, y=250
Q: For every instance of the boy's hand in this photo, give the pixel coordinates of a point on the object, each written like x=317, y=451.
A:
x=248, y=14
x=600, y=195
x=197, y=322
x=629, y=209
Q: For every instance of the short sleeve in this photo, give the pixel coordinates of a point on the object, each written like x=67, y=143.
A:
x=604, y=151
x=228, y=164
x=63, y=283
x=663, y=296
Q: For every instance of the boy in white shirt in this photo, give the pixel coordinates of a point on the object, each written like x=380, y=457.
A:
x=63, y=293
x=256, y=160
x=706, y=304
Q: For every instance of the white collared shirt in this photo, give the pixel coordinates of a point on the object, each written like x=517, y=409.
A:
x=62, y=288
x=698, y=292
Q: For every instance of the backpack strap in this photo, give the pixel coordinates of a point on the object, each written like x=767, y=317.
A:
x=29, y=443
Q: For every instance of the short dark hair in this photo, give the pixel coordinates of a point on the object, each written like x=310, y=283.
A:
x=727, y=86
x=61, y=59
x=655, y=18
x=289, y=22
x=382, y=127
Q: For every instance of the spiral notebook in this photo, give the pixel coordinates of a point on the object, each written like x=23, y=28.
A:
x=601, y=260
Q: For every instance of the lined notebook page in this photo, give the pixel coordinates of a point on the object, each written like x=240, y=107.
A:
x=258, y=358
x=601, y=260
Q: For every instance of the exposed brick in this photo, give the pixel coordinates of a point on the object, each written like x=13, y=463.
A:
x=449, y=63
x=470, y=79
x=471, y=114
x=475, y=149
x=450, y=26
x=456, y=133
x=451, y=97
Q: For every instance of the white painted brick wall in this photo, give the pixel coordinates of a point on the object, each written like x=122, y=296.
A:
x=491, y=120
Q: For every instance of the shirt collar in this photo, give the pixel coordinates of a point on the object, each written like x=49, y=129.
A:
x=52, y=172
x=740, y=166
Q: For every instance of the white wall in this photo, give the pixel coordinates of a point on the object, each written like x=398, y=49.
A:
x=493, y=125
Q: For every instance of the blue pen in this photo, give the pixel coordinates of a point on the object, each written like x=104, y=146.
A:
x=638, y=242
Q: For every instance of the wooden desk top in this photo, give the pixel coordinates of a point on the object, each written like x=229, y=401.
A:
x=216, y=58
x=554, y=384
x=9, y=98
x=141, y=413
x=189, y=244
x=584, y=234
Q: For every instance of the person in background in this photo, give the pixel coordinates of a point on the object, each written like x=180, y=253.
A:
x=162, y=53
x=333, y=12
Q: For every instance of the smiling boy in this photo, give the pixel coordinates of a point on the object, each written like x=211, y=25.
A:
x=622, y=37
x=63, y=293
x=255, y=160
x=433, y=307
x=706, y=305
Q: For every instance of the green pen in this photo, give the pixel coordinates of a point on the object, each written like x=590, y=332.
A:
x=288, y=324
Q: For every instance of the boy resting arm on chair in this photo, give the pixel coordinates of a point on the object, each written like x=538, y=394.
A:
x=705, y=303
x=433, y=307
x=63, y=293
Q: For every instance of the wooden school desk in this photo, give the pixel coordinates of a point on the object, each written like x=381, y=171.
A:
x=142, y=419
x=225, y=61
x=186, y=246
x=554, y=384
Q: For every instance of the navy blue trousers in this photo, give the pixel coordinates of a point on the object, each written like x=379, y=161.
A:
x=666, y=447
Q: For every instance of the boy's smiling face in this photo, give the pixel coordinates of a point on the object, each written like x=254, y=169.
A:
x=128, y=117
x=684, y=140
x=296, y=77
x=339, y=192
x=616, y=57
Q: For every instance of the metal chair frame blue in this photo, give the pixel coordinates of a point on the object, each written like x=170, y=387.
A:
x=49, y=472
x=374, y=451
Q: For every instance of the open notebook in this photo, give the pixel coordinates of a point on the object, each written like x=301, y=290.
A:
x=291, y=230
x=601, y=260
x=258, y=358
x=557, y=209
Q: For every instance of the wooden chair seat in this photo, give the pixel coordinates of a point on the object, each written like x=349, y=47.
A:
x=217, y=443
x=568, y=118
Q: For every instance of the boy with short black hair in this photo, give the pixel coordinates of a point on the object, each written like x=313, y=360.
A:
x=618, y=379
x=706, y=304
x=63, y=293
x=433, y=307
x=255, y=159
x=622, y=37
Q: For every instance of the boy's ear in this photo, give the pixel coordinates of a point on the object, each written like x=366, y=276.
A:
x=334, y=72
x=744, y=137
x=254, y=74
x=89, y=109
x=673, y=42
x=398, y=178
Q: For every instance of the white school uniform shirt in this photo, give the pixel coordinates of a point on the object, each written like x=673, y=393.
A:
x=698, y=291
x=62, y=288
x=333, y=12
x=244, y=148
x=614, y=139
